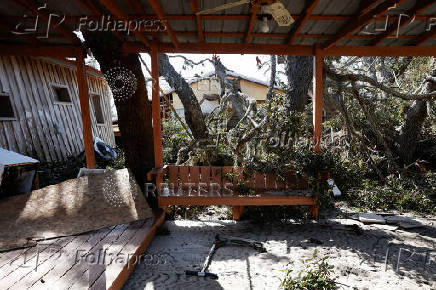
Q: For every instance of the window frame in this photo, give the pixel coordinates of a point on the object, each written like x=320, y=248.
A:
x=53, y=87
x=92, y=95
x=14, y=118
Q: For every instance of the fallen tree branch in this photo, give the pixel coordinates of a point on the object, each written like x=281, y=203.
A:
x=190, y=61
x=362, y=78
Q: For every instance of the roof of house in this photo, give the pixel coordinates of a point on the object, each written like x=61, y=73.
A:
x=167, y=89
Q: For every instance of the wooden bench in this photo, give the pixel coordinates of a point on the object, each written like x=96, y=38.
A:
x=227, y=185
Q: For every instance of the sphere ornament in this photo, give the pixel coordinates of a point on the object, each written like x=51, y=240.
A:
x=122, y=83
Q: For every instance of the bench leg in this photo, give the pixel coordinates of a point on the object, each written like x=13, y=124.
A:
x=237, y=212
x=314, y=211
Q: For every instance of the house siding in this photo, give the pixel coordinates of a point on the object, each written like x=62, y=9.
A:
x=28, y=81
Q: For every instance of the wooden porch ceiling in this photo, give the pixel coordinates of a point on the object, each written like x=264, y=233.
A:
x=187, y=32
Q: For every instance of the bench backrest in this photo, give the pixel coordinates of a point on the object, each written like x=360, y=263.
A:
x=184, y=176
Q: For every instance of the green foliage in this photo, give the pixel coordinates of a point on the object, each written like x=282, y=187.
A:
x=174, y=137
x=119, y=162
x=409, y=193
x=314, y=275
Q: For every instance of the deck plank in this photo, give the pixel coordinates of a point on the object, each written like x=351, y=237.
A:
x=69, y=255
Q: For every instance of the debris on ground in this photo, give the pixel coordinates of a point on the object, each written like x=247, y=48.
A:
x=371, y=218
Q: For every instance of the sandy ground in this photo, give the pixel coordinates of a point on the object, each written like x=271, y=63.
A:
x=375, y=257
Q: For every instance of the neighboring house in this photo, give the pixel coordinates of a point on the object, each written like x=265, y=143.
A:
x=206, y=89
x=40, y=110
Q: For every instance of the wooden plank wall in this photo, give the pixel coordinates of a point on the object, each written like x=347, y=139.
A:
x=28, y=80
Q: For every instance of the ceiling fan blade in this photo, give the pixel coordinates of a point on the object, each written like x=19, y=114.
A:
x=280, y=14
x=223, y=7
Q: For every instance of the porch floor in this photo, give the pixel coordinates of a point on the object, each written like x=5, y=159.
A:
x=94, y=260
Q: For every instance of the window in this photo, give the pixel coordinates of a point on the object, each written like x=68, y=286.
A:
x=6, y=109
x=61, y=94
x=98, y=112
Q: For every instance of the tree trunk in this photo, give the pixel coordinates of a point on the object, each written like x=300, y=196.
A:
x=193, y=115
x=299, y=72
x=134, y=109
x=272, y=79
x=411, y=129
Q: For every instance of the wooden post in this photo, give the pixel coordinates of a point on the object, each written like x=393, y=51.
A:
x=317, y=99
x=155, y=105
x=84, y=108
x=155, y=108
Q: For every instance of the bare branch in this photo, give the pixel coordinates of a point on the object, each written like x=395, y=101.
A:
x=190, y=61
x=362, y=78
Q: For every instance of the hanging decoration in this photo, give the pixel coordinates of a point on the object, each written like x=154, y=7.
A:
x=122, y=82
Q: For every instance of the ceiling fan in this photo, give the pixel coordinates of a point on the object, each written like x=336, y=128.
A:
x=278, y=11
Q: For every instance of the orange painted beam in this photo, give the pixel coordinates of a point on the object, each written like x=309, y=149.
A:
x=82, y=85
x=253, y=17
x=241, y=200
x=299, y=23
x=157, y=8
x=194, y=8
x=211, y=17
x=366, y=16
x=380, y=51
x=284, y=49
x=317, y=99
x=224, y=48
x=155, y=103
x=278, y=35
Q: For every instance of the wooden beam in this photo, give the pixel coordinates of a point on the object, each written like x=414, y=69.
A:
x=277, y=35
x=299, y=23
x=155, y=109
x=213, y=17
x=194, y=8
x=225, y=48
x=59, y=51
x=317, y=99
x=82, y=85
x=367, y=14
x=253, y=17
x=258, y=199
x=157, y=8
x=32, y=7
x=118, y=12
x=380, y=51
x=419, y=7
x=284, y=49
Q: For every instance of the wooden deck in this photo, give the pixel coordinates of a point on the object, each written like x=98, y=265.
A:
x=101, y=259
